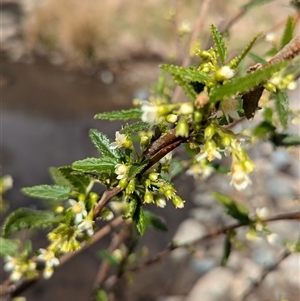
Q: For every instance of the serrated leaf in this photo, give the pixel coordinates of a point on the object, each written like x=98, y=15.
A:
x=254, y=3
x=219, y=43
x=58, y=178
x=154, y=221
x=282, y=107
x=135, y=127
x=264, y=128
x=102, y=143
x=134, y=113
x=187, y=87
x=288, y=32
x=131, y=206
x=25, y=218
x=139, y=219
x=233, y=208
x=236, y=61
x=109, y=258
x=79, y=181
x=187, y=73
x=8, y=247
x=48, y=192
x=99, y=165
x=135, y=169
x=256, y=58
x=242, y=84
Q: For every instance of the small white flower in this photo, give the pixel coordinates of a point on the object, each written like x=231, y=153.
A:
x=226, y=72
x=48, y=257
x=271, y=38
x=186, y=108
x=119, y=141
x=7, y=182
x=48, y=272
x=292, y=86
x=210, y=155
x=239, y=178
x=150, y=111
x=79, y=209
x=88, y=226
x=184, y=27
x=15, y=276
x=262, y=212
x=160, y=202
x=10, y=263
x=121, y=171
x=202, y=171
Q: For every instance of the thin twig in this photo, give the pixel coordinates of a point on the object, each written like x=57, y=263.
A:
x=267, y=270
x=214, y=233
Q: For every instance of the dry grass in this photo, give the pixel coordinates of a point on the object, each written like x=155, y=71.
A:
x=91, y=31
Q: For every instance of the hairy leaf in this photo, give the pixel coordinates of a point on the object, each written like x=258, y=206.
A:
x=227, y=249
x=105, y=164
x=135, y=169
x=245, y=83
x=102, y=143
x=236, y=61
x=134, y=113
x=288, y=32
x=135, y=127
x=154, y=221
x=264, y=128
x=139, y=219
x=282, y=107
x=48, y=192
x=105, y=255
x=131, y=206
x=233, y=208
x=78, y=180
x=256, y=58
x=219, y=43
x=58, y=178
x=187, y=73
x=187, y=87
x=8, y=247
x=25, y=218
x=254, y=3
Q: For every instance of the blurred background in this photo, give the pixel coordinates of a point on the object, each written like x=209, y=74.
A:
x=63, y=61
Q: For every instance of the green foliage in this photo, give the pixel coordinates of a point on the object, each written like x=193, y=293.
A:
x=227, y=248
x=245, y=83
x=8, y=247
x=188, y=74
x=219, y=43
x=58, y=178
x=154, y=221
x=131, y=205
x=24, y=218
x=234, y=63
x=187, y=87
x=135, y=127
x=288, y=32
x=48, y=192
x=139, y=219
x=256, y=58
x=282, y=107
x=285, y=139
x=102, y=143
x=263, y=128
x=136, y=169
x=99, y=165
x=233, y=208
x=134, y=113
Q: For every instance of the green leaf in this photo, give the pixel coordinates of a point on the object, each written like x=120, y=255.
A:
x=285, y=140
x=242, y=84
x=288, y=32
x=254, y=3
x=282, y=107
x=154, y=221
x=58, y=178
x=189, y=74
x=8, y=247
x=99, y=165
x=102, y=143
x=139, y=219
x=233, y=208
x=25, y=218
x=187, y=87
x=135, y=169
x=79, y=181
x=48, y=192
x=131, y=206
x=135, y=127
x=219, y=43
x=227, y=249
x=105, y=255
x=134, y=113
x=264, y=128
x=101, y=295
x=236, y=61
x=256, y=58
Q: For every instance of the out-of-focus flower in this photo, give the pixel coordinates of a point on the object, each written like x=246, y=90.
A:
x=239, y=177
x=184, y=27
x=48, y=257
x=87, y=225
x=150, y=111
x=229, y=108
x=262, y=212
x=200, y=170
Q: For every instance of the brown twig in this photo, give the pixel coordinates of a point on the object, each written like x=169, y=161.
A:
x=211, y=234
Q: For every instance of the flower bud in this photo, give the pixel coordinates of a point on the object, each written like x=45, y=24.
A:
x=144, y=141
x=224, y=73
x=123, y=183
x=148, y=197
x=153, y=176
x=182, y=128
x=186, y=108
x=204, y=54
x=226, y=140
x=270, y=87
x=171, y=118
x=178, y=202
x=209, y=131
x=130, y=187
